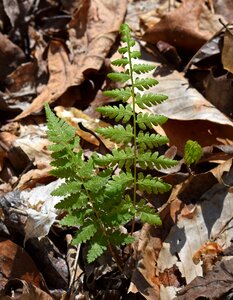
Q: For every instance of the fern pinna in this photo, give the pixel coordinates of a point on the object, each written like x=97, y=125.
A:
x=101, y=194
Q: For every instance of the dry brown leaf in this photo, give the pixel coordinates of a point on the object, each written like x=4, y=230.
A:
x=189, y=234
x=182, y=32
x=23, y=290
x=17, y=12
x=33, y=178
x=190, y=115
x=219, y=90
x=165, y=256
x=23, y=78
x=224, y=8
x=205, y=132
x=16, y=263
x=10, y=56
x=92, y=32
x=227, y=51
x=215, y=285
x=209, y=254
x=59, y=80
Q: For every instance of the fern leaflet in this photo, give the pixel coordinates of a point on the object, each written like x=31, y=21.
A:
x=117, y=113
x=149, y=99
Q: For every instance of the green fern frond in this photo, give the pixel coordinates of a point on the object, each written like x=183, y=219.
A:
x=96, y=183
x=116, y=187
x=145, y=120
x=147, y=140
x=67, y=188
x=118, y=238
x=192, y=152
x=85, y=169
x=96, y=250
x=120, y=62
x=99, y=193
x=120, y=214
x=153, y=160
x=144, y=83
x=74, y=201
x=119, y=113
x=135, y=54
x=85, y=234
x=123, y=50
x=59, y=131
x=118, y=94
x=73, y=219
x=120, y=157
x=123, y=179
x=142, y=68
x=149, y=99
x=147, y=214
x=125, y=31
x=162, y=162
x=118, y=133
x=121, y=77
x=152, y=184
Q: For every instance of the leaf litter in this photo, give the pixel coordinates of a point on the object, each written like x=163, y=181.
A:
x=58, y=52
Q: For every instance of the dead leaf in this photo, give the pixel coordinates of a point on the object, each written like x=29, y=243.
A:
x=23, y=290
x=11, y=56
x=17, y=11
x=89, y=46
x=224, y=8
x=209, y=254
x=60, y=78
x=215, y=285
x=16, y=263
x=23, y=79
x=182, y=32
x=227, y=51
x=190, y=115
x=41, y=209
x=188, y=235
x=219, y=90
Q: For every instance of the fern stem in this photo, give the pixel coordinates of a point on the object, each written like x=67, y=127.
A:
x=134, y=134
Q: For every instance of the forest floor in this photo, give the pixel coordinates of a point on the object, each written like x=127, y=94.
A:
x=59, y=52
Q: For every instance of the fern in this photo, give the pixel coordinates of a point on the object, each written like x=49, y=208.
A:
x=118, y=113
x=99, y=194
x=117, y=94
x=149, y=99
x=118, y=133
x=192, y=152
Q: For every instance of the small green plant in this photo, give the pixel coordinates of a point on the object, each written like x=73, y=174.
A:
x=105, y=192
x=192, y=152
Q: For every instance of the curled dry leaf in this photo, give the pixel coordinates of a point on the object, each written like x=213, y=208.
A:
x=92, y=31
x=209, y=254
x=60, y=78
x=185, y=33
x=41, y=209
